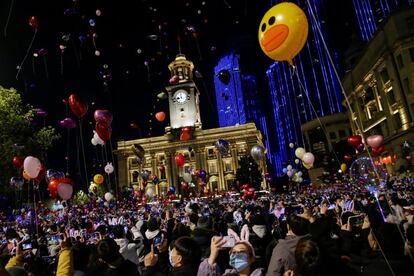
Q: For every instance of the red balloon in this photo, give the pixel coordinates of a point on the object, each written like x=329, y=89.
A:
x=185, y=136
x=103, y=116
x=160, y=116
x=78, y=107
x=171, y=196
x=347, y=158
x=246, y=186
x=33, y=22
x=103, y=130
x=354, y=140
x=179, y=160
x=53, y=184
x=185, y=130
x=377, y=151
x=133, y=125
x=184, y=185
x=18, y=161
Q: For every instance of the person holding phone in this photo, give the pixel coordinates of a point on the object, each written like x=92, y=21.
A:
x=241, y=260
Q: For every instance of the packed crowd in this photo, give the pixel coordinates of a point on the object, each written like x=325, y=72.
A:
x=337, y=230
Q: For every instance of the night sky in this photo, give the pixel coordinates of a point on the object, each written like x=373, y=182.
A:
x=130, y=34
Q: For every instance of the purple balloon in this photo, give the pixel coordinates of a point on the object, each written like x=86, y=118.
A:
x=68, y=123
x=202, y=174
x=360, y=147
x=42, y=52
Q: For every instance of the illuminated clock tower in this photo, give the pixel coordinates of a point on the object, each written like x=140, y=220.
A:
x=183, y=96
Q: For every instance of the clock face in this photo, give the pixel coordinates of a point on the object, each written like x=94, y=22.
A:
x=181, y=96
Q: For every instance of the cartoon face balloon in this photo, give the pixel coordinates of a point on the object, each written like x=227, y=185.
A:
x=283, y=31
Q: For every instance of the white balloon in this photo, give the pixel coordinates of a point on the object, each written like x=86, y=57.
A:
x=106, y=204
x=187, y=177
x=32, y=166
x=98, y=139
x=299, y=152
x=299, y=173
x=289, y=167
x=150, y=192
x=94, y=142
x=109, y=168
x=291, y=145
x=300, y=179
x=108, y=196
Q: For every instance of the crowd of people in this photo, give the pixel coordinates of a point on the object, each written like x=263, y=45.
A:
x=346, y=229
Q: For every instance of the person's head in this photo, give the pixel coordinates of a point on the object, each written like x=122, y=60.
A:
x=184, y=251
x=119, y=232
x=242, y=256
x=204, y=222
x=81, y=254
x=108, y=250
x=307, y=257
x=297, y=225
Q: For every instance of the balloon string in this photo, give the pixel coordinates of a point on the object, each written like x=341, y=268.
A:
x=34, y=209
x=115, y=172
x=67, y=151
x=83, y=154
x=8, y=18
x=33, y=66
x=359, y=128
x=46, y=70
x=75, y=50
x=303, y=88
x=25, y=57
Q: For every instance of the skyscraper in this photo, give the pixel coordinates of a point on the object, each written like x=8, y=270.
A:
x=370, y=13
x=315, y=74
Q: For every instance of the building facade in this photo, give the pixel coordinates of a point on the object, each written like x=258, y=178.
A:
x=198, y=148
x=380, y=87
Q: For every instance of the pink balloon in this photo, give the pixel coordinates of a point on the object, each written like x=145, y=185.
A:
x=308, y=158
x=68, y=123
x=174, y=79
x=32, y=166
x=290, y=173
x=65, y=191
x=375, y=141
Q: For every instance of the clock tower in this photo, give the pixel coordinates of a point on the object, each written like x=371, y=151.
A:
x=183, y=95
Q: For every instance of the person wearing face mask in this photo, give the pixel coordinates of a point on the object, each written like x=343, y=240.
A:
x=184, y=257
x=242, y=258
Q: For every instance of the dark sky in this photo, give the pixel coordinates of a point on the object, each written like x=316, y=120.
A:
x=206, y=29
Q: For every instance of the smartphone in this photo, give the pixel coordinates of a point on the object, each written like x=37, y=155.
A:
x=158, y=240
x=357, y=220
x=184, y=219
x=230, y=241
x=27, y=246
x=49, y=259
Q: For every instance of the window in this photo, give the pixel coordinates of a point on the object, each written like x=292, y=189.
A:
x=369, y=94
x=227, y=166
x=332, y=135
x=406, y=85
x=400, y=62
x=229, y=183
x=342, y=133
x=135, y=175
x=384, y=75
x=212, y=167
x=214, y=185
x=412, y=54
x=391, y=97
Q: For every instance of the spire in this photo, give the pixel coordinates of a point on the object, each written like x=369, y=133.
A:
x=182, y=68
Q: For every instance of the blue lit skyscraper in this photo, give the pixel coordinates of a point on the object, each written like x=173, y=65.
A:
x=370, y=13
x=291, y=107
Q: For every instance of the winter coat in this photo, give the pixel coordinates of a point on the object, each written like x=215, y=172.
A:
x=205, y=269
x=259, y=238
x=203, y=237
x=65, y=263
x=129, y=250
x=283, y=256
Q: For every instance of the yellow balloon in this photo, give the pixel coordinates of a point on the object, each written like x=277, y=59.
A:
x=307, y=166
x=283, y=31
x=98, y=179
x=343, y=167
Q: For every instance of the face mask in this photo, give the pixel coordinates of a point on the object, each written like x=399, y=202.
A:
x=171, y=260
x=239, y=261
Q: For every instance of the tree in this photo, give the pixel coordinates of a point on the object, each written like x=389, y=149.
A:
x=248, y=172
x=19, y=135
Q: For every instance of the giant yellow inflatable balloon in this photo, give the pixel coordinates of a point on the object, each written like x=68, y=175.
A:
x=98, y=179
x=283, y=32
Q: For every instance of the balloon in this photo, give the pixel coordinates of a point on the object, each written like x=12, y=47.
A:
x=360, y=147
x=96, y=140
x=41, y=175
x=103, y=116
x=283, y=32
x=307, y=166
x=98, y=179
x=78, y=107
x=103, y=130
x=150, y=192
x=222, y=146
x=343, y=167
x=224, y=76
x=179, y=160
x=162, y=96
x=299, y=152
x=185, y=130
x=51, y=174
x=185, y=136
x=299, y=173
x=291, y=145
x=18, y=161
x=375, y=141
x=32, y=166
x=202, y=174
x=40, y=112
x=109, y=168
x=290, y=173
x=33, y=22
x=172, y=189
x=297, y=161
x=68, y=123
x=187, y=177
x=308, y=158
x=347, y=158
x=355, y=140
x=377, y=151
x=160, y=116
x=26, y=176
x=17, y=182
x=257, y=152
x=53, y=185
x=184, y=185
x=289, y=167
x=108, y=196
x=174, y=80
x=285, y=170
x=138, y=150
x=145, y=175
x=65, y=191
